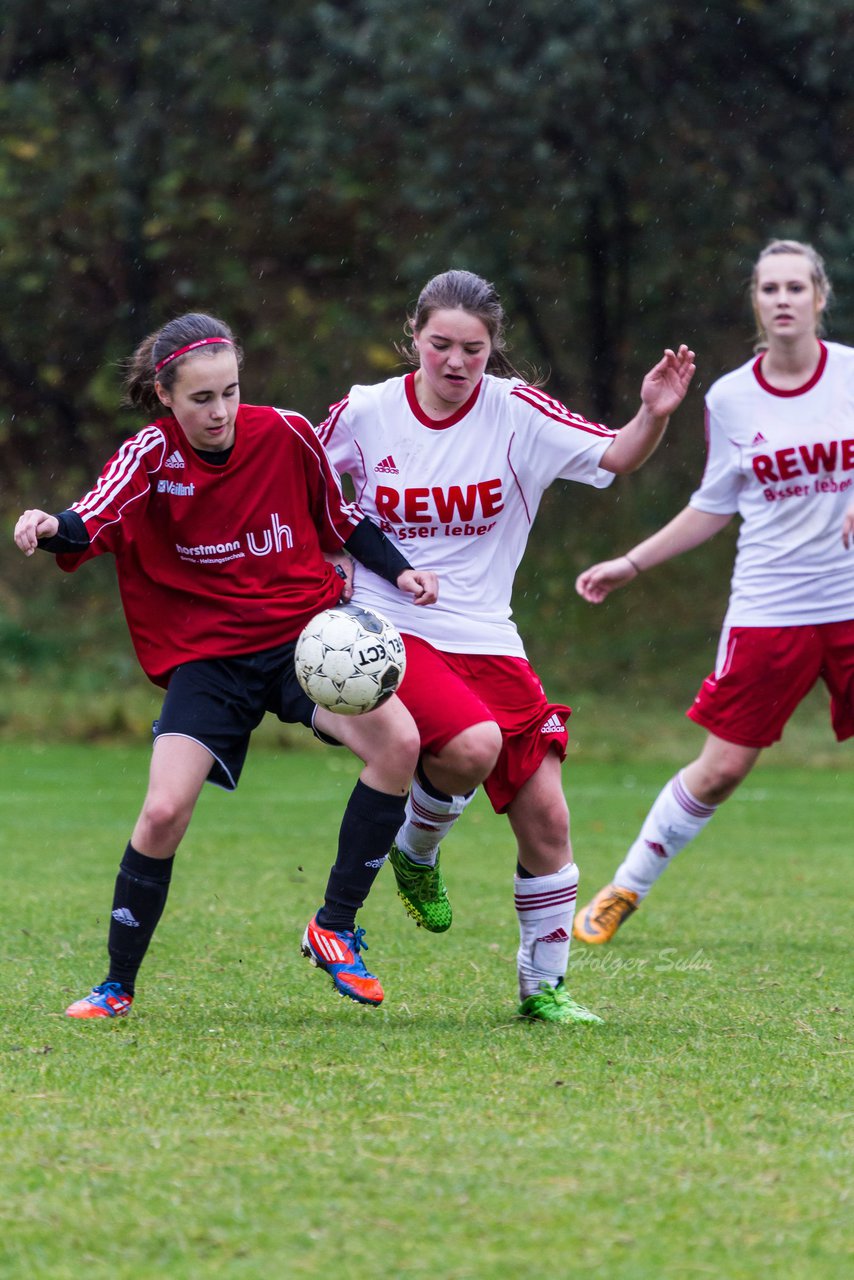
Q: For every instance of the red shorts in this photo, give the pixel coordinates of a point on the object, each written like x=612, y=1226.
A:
x=763, y=673
x=448, y=692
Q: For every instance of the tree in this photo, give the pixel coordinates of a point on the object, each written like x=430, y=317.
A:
x=613, y=168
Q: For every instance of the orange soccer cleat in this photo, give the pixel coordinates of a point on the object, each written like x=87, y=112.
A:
x=338, y=954
x=601, y=918
x=109, y=1000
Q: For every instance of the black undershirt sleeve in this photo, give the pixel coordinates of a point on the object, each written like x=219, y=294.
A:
x=71, y=536
x=369, y=545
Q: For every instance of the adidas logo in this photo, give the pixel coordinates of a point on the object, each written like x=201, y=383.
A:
x=174, y=460
x=758, y=439
x=387, y=467
x=557, y=935
x=554, y=724
x=656, y=848
x=376, y=862
x=124, y=916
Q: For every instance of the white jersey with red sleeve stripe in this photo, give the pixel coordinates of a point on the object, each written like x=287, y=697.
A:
x=459, y=495
x=784, y=461
x=218, y=560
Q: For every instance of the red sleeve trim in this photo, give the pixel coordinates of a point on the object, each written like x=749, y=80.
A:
x=554, y=409
x=334, y=500
x=109, y=495
x=327, y=427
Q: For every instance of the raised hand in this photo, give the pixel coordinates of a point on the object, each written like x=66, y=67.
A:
x=664, y=387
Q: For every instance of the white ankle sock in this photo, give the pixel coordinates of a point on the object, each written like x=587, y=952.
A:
x=427, y=823
x=545, y=906
x=674, y=820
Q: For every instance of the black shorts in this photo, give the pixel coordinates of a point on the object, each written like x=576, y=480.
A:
x=219, y=701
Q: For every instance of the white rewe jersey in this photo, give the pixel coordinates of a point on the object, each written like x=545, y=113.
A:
x=785, y=462
x=459, y=495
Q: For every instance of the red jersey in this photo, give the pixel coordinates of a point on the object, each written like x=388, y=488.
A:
x=214, y=561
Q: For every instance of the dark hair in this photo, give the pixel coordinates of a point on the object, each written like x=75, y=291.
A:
x=140, y=374
x=464, y=291
x=821, y=283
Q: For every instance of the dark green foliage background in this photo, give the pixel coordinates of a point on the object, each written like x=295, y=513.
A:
x=303, y=169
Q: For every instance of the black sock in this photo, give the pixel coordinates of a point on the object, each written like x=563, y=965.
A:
x=523, y=874
x=371, y=821
x=140, y=896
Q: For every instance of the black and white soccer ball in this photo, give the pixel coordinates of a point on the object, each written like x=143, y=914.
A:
x=349, y=659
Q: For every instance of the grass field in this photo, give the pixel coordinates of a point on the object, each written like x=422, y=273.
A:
x=245, y=1121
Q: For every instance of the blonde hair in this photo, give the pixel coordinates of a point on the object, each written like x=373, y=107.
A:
x=820, y=279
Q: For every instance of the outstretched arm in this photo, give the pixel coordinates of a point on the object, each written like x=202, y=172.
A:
x=684, y=532
x=662, y=391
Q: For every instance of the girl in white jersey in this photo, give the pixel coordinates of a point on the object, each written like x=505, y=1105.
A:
x=452, y=460
x=218, y=515
x=781, y=455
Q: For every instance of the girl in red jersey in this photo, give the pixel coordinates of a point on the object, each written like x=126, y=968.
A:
x=218, y=515
x=452, y=461
x=781, y=455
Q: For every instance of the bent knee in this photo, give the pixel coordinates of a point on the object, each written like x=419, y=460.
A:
x=718, y=779
x=164, y=813
x=474, y=751
x=553, y=825
x=405, y=747
x=399, y=744
x=719, y=786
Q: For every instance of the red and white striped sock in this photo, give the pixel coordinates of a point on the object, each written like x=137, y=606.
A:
x=427, y=823
x=674, y=820
x=545, y=906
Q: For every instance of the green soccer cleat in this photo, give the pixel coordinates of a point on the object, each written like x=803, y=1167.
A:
x=554, y=1004
x=422, y=891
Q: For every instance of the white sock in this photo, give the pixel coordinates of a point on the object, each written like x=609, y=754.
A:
x=427, y=823
x=674, y=820
x=545, y=906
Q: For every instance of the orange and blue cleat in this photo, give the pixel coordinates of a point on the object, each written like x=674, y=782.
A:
x=338, y=954
x=109, y=1000
x=600, y=919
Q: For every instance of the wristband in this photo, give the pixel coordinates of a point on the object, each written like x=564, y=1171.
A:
x=631, y=562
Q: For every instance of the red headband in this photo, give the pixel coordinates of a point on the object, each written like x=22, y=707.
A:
x=182, y=351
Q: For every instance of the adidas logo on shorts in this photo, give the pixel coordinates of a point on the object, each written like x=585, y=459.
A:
x=554, y=724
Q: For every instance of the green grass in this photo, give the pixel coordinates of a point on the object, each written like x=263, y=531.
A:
x=245, y=1121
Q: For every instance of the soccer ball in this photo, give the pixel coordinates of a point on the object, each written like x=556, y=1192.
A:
x=349, y=660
